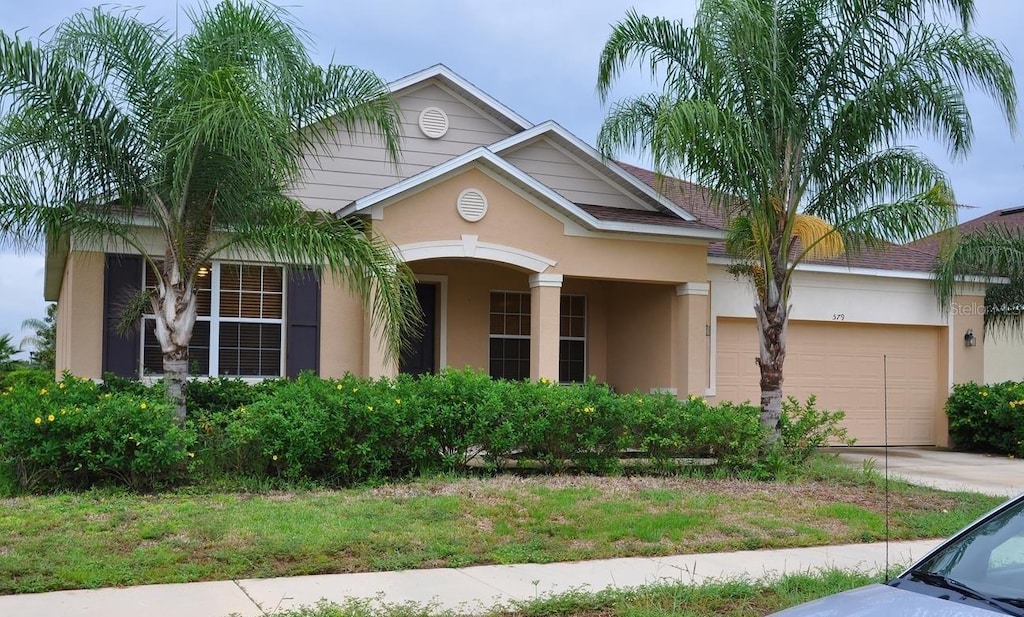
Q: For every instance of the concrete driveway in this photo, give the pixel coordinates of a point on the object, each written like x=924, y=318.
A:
x=945, y=470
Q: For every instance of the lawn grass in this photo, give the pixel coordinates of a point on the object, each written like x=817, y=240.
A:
x=107, y=539
x=719, y=599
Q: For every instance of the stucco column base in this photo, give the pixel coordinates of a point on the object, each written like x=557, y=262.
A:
x=690, y=344
x=545, y=310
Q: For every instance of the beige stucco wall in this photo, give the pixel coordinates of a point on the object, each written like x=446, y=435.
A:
x=639, y=336
x=511, y=220
x=968, y=362
x=1004, y=357
x=80, y=316
x=341, y=330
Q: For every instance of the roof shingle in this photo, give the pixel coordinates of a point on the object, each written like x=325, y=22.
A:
x=1009, y=217
x=697, y=201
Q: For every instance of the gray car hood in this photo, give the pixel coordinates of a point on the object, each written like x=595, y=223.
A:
x=884, y=601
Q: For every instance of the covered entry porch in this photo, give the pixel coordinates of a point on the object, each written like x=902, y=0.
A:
x=517, y=324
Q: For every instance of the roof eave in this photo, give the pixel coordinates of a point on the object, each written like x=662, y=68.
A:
x=55, y=263
x=465, y=88
x=568, y=139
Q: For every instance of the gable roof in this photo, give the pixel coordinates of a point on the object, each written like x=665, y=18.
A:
x=612, y=170
x=697, y=200
x=594, y=217
x=1009, y=217
x=465, y=89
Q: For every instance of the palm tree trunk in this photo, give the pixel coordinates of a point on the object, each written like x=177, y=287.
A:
x=772, y=321
x=175, y=376
x=175, y=312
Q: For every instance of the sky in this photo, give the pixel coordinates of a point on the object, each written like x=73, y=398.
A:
x=538, y=57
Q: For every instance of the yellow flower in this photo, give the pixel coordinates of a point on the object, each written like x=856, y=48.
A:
x=370, y=407
x=984, y=393
x=50, y=418
x=44, y=392
x=398, y=401
x=639, y=401
x=693, y=397
x=143, y=405
x=588, y=410
x=107, y=395
x=39, y=420
x=544, y=380
x=339, y=387
x=274, y=457
x=63, y=412
x=355, y=389
x=61, y=386
x=191, y=454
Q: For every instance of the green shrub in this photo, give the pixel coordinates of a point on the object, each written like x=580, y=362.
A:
x=32, y=378
x=584, y=424
x=117, y=384
x=987, y=418
x=71, y=434
x=805, y=428
x=351, y=430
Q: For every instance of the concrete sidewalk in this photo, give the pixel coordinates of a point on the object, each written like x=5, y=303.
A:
x=464, y=589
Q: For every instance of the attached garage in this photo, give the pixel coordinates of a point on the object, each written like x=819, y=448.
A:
x=842, y=363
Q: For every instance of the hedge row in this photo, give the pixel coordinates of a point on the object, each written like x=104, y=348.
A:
x=344, y=431
x=987, y=418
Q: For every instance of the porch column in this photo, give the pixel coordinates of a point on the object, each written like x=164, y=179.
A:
x=691, y=344
x=375, y=346
x=545, y=309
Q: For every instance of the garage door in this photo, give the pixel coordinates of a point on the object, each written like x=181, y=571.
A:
x=842, y=364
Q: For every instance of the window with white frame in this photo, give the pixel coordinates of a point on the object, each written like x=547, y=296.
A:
x=509, y=356
x=240, y=323
x=572, y=343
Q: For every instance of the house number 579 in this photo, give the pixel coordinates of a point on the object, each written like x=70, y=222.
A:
x=838, y=316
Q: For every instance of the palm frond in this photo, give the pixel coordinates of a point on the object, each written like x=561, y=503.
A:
x=818, y=238
x=993, y=251
x=365, y=262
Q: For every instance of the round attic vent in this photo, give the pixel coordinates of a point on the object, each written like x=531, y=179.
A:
x=472, y=205
x=433, y=122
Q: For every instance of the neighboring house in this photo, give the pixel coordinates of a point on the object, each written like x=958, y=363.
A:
x=1004, y=351
x=536, y=258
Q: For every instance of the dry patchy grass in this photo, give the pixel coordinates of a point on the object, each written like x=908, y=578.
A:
x=103, y=539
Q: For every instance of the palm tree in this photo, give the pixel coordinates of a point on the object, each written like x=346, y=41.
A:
x=7, y=353
x=791, y=113
x=43, y=339
x=992, y=251
x=119, y=129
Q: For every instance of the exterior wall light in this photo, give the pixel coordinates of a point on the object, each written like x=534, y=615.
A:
x=969, y=338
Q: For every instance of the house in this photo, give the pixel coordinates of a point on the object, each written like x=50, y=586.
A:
x=1004, y=351
x=536, y=258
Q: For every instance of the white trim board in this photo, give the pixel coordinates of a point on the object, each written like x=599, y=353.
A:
x=485, y=157
x=442, y=315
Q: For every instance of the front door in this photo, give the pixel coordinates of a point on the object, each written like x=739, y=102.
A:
x=418, y=357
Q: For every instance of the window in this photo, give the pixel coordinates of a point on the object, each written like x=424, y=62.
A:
x=239, y=327
x=510, y=335
x=572, y=344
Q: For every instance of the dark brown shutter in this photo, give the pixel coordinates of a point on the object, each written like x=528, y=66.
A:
x=122, y=279
x=303, y=327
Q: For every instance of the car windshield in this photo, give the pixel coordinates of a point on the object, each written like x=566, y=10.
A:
x=989, y=559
